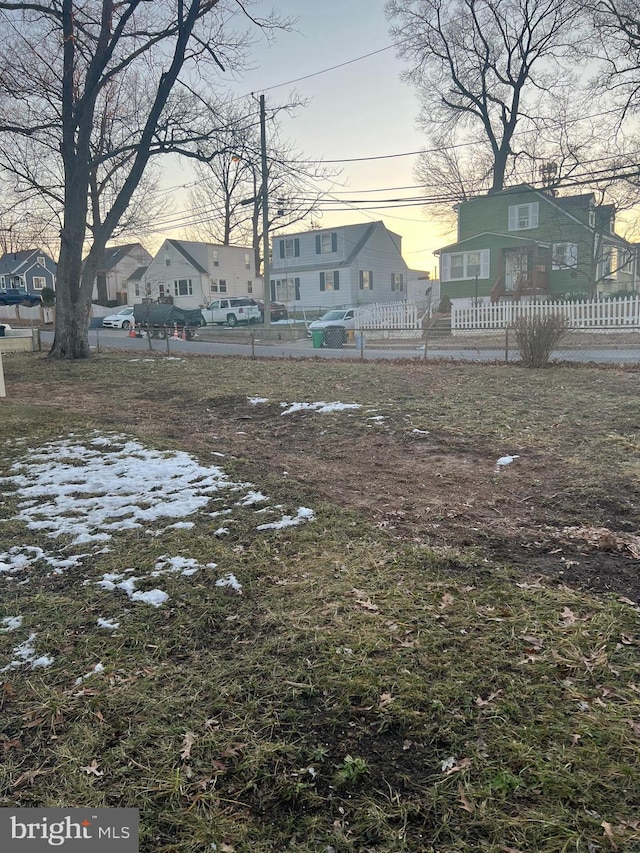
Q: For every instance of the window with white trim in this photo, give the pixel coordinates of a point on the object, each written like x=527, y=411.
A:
x=249, y=286
x=397, y=281
x=247, y=261
x=366, y=280
x=216, y=260
x=39, y=282
x=465, y=266
x=41, y=260
x=3, y=284
x=523, y=216
x=564, y=256
x=183, y=287
x=222, y=283
x=330, y=280
x=286, y=289
x=326, y=243
x=136, y=288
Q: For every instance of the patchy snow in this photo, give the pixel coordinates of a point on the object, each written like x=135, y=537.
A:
x=321, y=407
x=107, y=624
x=97, y=669
x=503, y=461
x=303, y=514
x=252, y=497
x=22, y=556
x=10, y=623
x=419, y=432
x=255, y=401
x=25, y=653
x=89, y=492
x=221, y=531
x=230, y=580
x=186, y=566
x=112, y=581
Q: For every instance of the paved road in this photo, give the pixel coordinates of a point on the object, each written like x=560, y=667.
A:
x=115, y=338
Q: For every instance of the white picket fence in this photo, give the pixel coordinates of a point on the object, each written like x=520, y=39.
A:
x=593, y=314
x=389, y=317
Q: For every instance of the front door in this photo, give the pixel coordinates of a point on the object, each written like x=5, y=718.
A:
x=515, y=264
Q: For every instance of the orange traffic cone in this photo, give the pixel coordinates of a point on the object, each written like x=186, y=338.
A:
x=175, y=331
x=132, y=332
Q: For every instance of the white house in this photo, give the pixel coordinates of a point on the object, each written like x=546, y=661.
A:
x=191, y=274
x=347, y=265
x=110, y=285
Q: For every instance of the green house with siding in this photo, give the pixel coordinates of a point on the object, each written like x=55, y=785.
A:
x=528, y=243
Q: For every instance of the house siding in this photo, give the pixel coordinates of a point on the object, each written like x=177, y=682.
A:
x=483, y=223
x=361, y=247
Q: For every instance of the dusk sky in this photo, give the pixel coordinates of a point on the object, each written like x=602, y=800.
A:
x=360, y=110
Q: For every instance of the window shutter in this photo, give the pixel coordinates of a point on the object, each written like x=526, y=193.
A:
x=297, y=284
x=513, y=218
x=296, y=247
x=485, y=263
x=273, y=291
x=371, y=279
x=321, y=279
x=361, y=279
x=282, y=248
x=334, y=242
x=318, y=246
x=336, y=280
x=533, y=215
x=445, y=268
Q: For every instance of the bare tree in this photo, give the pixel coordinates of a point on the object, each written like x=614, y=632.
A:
x=227, y=198
x=617, y=24
x=61, y=61
x=486, y=67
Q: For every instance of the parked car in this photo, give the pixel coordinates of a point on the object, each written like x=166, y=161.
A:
x=339, y=318
x=19, y=296
x=122, y=320
x=278, y=311
x=232, y=310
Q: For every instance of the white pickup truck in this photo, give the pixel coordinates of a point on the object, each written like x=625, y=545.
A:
x=232, y=310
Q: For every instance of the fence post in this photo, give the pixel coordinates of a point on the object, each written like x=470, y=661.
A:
x=253, y=344
x=426, y=337
x=166, y=334
x=97, y=339
x=506, y=344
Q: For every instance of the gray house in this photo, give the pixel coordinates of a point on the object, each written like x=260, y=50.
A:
x=32, y=270
x=110, y=286
x=347, y=265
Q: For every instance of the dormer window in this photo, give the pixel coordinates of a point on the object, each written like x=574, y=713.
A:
x=523, y=216
x=592, y=218
x=41, y=260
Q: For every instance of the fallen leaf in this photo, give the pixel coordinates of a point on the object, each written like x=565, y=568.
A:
x=187, y=743
x=480, y=702
x=447, y=600
x=535, y=643
x=568, y=617
x=385, y=699
x=10, y=744
x=367, y=605
x=635, y=726
x=575, y=739
x=608, y=831
x=28, y=776
x=467, y=805
x=93, y=768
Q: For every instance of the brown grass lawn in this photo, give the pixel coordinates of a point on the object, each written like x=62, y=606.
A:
x=445, y=659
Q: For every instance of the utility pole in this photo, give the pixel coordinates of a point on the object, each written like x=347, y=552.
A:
x=265, y=217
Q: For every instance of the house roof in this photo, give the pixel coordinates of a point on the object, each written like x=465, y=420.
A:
x=509, y=239
x=11, y=262
x=179, y=247
x=113, y=254
x=137, y=274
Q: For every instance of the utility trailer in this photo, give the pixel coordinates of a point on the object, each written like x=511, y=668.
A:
x=160, y=320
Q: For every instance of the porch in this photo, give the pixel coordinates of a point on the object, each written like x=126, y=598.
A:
x=522, y=271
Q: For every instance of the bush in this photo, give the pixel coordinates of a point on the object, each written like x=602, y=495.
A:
x=536, y=337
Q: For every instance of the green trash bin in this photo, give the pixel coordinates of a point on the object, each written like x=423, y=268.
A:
x=317, y=338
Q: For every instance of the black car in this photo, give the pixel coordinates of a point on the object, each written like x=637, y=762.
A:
x=18, y=296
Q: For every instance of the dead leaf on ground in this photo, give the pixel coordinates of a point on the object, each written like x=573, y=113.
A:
x=385, y=699
x=367, y=605
x=187, y=743
x=608, y=831
x=466, y=804
x=92, y=768
x=446, y=601
x=480, y=702
x=28, y=776
x=567, y=617
x=635, y=726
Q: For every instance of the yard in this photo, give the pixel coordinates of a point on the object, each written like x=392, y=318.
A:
x=324, y=607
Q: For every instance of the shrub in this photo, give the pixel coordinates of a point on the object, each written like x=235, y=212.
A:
x=536, y=337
